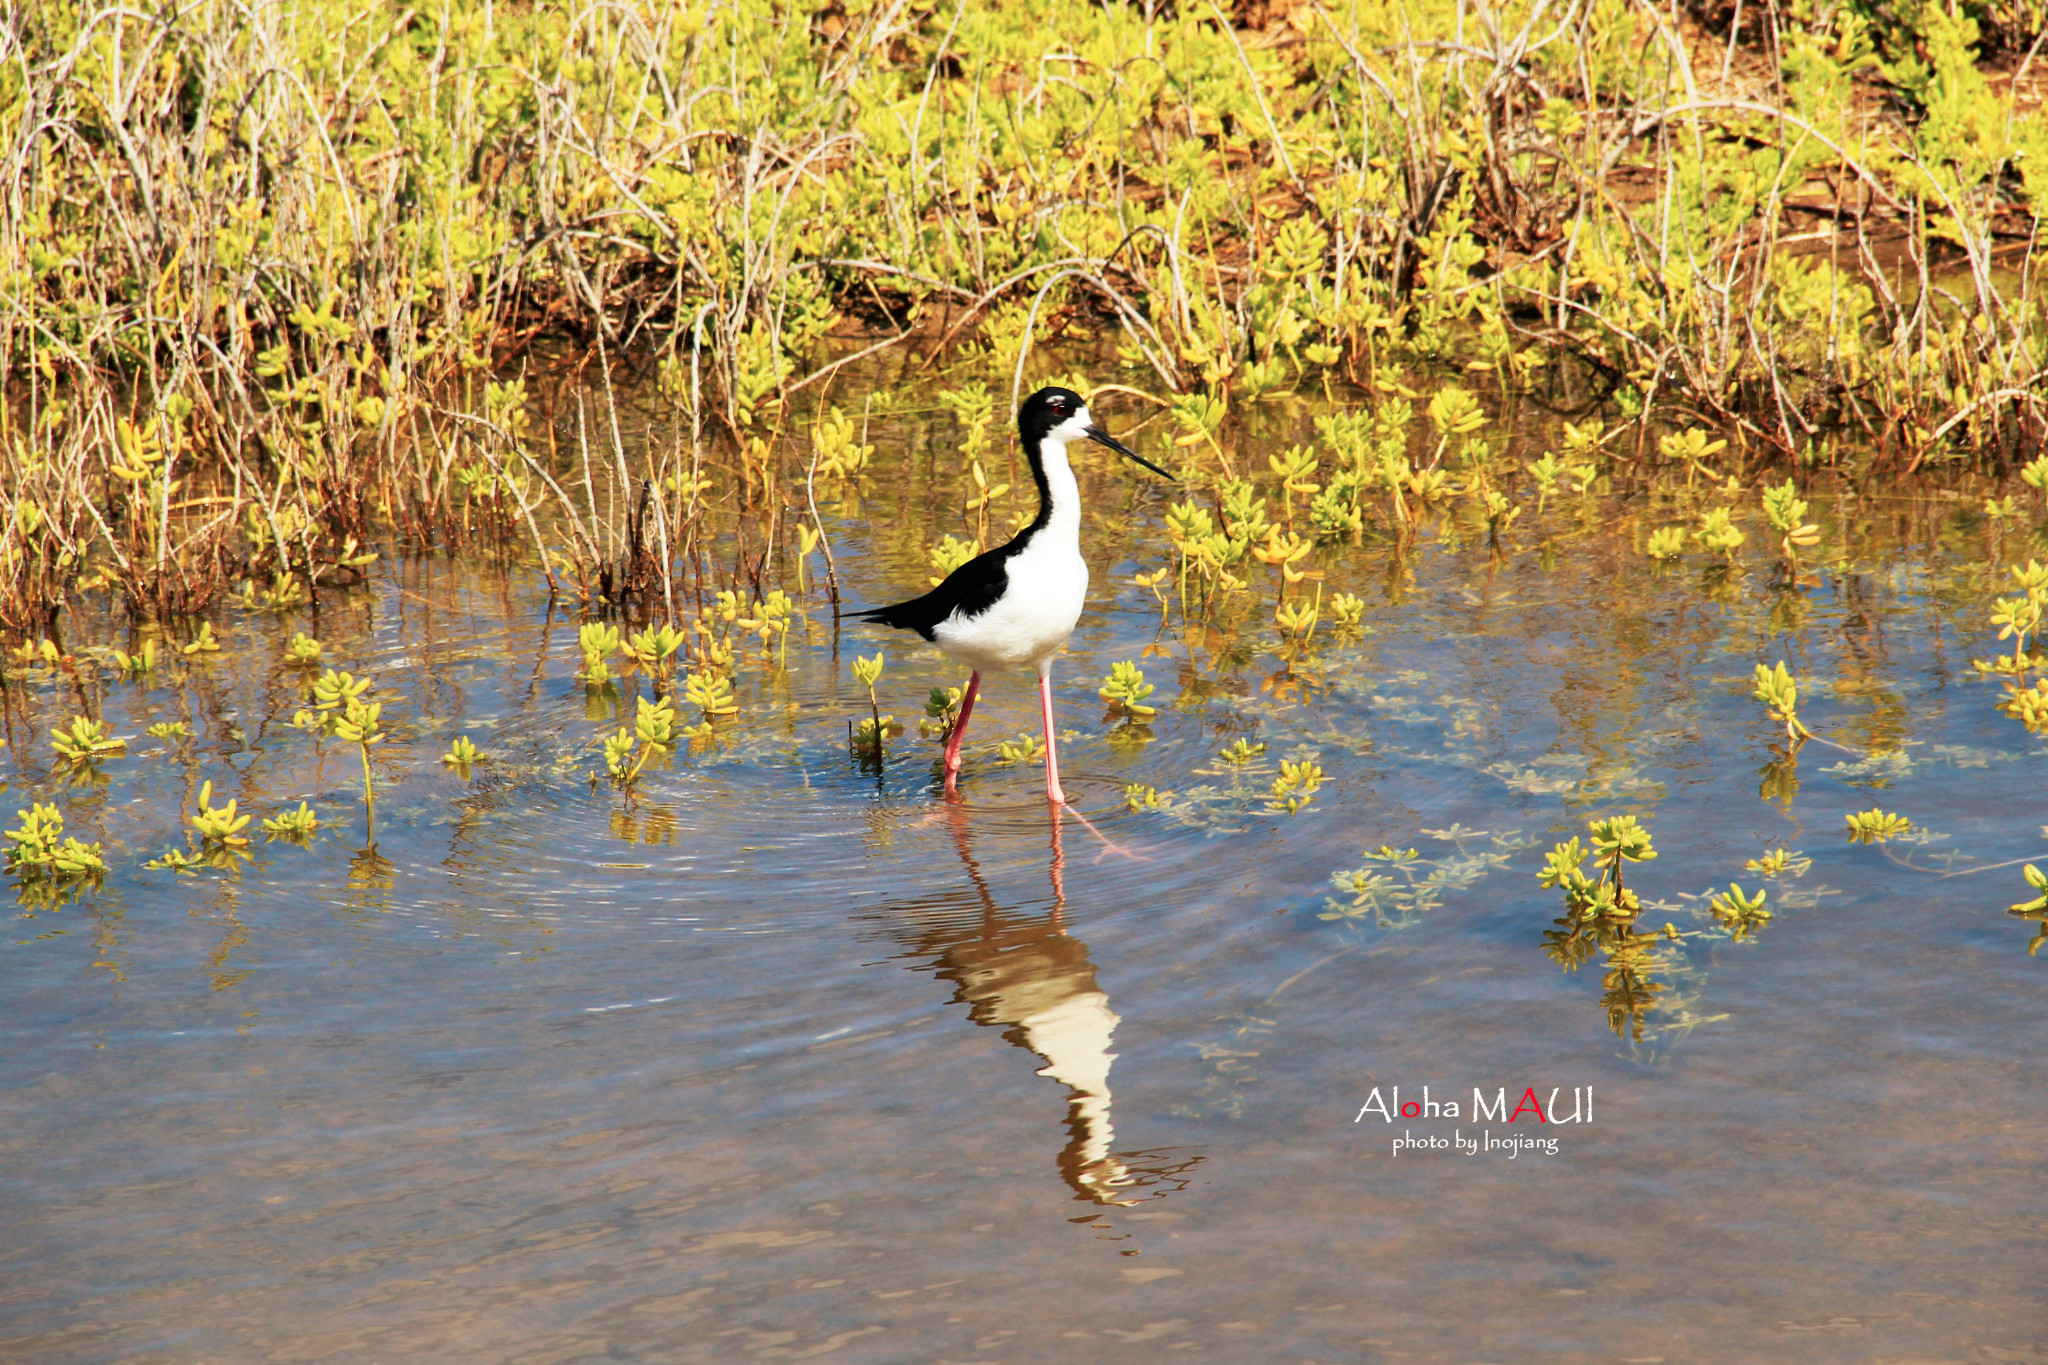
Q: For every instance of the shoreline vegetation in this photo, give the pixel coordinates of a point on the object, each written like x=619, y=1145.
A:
x=275, y=278
x=619, y=294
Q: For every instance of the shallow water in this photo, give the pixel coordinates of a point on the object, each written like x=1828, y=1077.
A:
x=793, y=1060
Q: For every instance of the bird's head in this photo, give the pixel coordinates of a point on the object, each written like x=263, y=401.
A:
x=1061, y=415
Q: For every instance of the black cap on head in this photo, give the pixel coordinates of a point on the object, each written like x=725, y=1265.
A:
x=1046, y=409
x=1052, y=406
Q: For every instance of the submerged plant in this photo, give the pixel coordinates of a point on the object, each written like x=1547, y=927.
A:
x=292, y=826
x=949, y=554
x=344, y=715
x=942, y=712
x=1125, y=690
x=1296, y=785
x=1779, y=692
x=1241, y=754
x=653, y=732
x=1600, y=915
x=2028, y=706
x=1740, y=913
x=1785, y=510
x=2035, y=909
x=48, y=865
x=872, y=735
x=653, y=650
x=770, y=620
x=1025, y=748
x=1397, y=886
x=1875, y=826
x=713, y=695
x=213, y=837
x=85, y=742
x=2019, y=619
x=1667, y=543
x=462, y=754
x=1718, y=531
x=303, y=651
x=598, y=642
x=142, y=662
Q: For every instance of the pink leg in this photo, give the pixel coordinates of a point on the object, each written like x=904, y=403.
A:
x=1058, y=869
x=960, y=730
x=1052, y=761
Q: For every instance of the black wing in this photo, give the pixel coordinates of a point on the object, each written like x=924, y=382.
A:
x=971, y=589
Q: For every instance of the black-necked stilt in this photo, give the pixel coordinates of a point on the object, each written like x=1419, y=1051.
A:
x=1017, y=604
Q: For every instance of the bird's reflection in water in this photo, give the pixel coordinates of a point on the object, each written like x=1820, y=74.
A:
x=1025, y=974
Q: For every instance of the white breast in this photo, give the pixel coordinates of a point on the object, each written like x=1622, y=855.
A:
x=1048, y=586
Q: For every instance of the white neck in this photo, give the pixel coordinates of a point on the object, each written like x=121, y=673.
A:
x=1064, y=519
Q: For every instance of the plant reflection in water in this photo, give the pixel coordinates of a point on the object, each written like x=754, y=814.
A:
x=1027, y=975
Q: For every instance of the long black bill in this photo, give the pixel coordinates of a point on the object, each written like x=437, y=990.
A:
x=1103, y=438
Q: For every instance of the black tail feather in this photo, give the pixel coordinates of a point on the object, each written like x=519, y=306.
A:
x=898, y=616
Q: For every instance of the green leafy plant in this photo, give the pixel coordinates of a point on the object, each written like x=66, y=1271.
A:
x=1875, y=826
x=711, y=694
x=2028, y=706
x=217, y=827
x=1025, y=748
x=85, y=741
x=597, y=641
x=770, y=620
x=1296, y=785
x=653, y=650
x=1718, y=531
x=1786, y=513
x=343, y=714
x=2035, y=909
x=213, y=837
x=1241, y=754
x=2018, y=619
x=1347, y=614
x=653, y=732
x=1601, y=914
x=142, y=662
x=1779, y=692
x=462, y=754
x=1125, y=690
x=2035, y=475
x=293, y=826
x=1778, y=862
x=941, y=712
x=839, y=454
x=872, y=735
x=949, y=554
x=1297, y=621
x=1740, y=913
x=48, y=865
